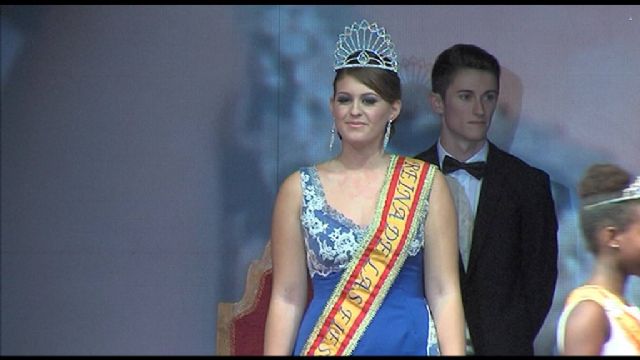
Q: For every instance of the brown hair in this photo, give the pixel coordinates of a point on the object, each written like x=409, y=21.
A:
x=603, y=182
x=385, y=83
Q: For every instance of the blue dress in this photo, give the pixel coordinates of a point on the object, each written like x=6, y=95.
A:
x=403, y=322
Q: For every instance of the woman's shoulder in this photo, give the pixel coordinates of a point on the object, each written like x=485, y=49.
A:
x=322, y=166
x=291, y=182
x=302, y=174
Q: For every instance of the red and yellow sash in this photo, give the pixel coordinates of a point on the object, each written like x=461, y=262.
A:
x=367, y=279
x=629, y=323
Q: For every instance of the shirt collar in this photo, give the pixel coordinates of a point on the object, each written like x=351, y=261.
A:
x=481, y=155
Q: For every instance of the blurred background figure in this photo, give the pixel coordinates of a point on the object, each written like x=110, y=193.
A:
x=598, y=318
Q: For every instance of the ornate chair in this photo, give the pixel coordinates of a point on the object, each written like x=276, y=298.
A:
x=241, y=324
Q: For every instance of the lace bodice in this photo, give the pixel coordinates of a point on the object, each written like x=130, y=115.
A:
x=331, y=238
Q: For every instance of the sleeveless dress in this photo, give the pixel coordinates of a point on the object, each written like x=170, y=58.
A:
x=619, y=342
x=403, y=323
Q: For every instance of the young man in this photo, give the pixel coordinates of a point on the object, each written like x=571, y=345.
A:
x=506, y=214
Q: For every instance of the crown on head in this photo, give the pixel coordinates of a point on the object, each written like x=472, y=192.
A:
x=365, y=45
x=630, y=193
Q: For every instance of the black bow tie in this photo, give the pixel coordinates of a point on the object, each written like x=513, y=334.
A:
x=476, y=169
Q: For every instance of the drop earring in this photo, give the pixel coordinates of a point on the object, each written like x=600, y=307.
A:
x=387, y=133
x=333, y=136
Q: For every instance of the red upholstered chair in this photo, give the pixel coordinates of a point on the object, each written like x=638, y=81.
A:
x=240, y=325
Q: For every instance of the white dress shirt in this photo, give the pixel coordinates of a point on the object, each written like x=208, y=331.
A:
x=465, y=190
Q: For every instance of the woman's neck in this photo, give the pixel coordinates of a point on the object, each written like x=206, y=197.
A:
x=608, y=277
x=350, y=159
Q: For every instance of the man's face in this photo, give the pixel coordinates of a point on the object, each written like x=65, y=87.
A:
x=468, y=106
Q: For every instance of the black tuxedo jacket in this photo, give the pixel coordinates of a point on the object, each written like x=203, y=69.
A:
x=508, y=287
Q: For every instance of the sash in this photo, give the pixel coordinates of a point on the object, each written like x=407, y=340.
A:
x=629, y=323
x=369, y=275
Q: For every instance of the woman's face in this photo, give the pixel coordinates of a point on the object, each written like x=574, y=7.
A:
x=630, y=244
x=360, y=114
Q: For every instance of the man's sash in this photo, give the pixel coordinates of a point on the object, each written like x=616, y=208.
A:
x=367, y=279
x=629, y=323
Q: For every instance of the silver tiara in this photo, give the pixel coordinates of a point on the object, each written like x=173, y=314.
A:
x=630, y=193
x=365, y=45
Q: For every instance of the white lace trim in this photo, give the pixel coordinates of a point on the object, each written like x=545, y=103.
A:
x=329, y=249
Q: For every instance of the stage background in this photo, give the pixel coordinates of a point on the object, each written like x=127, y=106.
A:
x=142, y=147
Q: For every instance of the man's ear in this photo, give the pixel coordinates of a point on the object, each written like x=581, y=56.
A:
x=437, y=103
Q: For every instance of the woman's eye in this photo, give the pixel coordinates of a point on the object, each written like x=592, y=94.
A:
x=343, y=99
x=369, y=100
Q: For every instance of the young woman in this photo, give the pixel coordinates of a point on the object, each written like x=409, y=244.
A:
x=596, y=319
x=375, y=232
